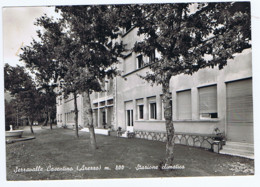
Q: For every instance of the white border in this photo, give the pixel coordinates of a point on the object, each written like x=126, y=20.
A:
x=183, y=181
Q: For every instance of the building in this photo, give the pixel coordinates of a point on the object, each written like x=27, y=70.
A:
x=208, y=101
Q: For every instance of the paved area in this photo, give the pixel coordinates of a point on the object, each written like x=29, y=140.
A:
x=57, y=154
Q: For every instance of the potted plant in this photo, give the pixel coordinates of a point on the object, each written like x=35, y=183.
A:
x=219, y=135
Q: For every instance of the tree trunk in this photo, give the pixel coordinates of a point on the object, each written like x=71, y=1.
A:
x=17, y=122
x=168, y=122
x=49, y=119
x=76, y=115
x=31, y=125
x=46, y=121
x=46, y=117
x=88, y=119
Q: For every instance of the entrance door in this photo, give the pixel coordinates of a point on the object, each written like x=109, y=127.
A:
x=104, y=118
x=240, y=111
x=130, y=119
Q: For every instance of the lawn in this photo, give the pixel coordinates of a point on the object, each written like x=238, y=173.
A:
x=57, y=154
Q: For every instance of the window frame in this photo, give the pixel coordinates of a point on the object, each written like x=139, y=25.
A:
x=140, y=62
x=208, y=115
x=152, y=111
x=140, y=117
x=183, y=117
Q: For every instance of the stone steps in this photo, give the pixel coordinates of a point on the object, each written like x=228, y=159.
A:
x=238, y=149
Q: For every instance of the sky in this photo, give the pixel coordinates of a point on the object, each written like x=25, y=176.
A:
x=19, y=29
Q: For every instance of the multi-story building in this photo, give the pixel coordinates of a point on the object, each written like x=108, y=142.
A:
x=202, y=103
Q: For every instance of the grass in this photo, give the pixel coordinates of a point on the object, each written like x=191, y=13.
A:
x=117, y=157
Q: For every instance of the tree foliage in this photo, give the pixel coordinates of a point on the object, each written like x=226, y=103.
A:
x=188, y=37
x=192, y=36
x=88, y=52
x=79, y=50
x=21, y=85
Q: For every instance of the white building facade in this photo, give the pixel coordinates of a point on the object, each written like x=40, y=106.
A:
x=209, y=99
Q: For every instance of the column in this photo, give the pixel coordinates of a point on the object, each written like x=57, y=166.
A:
x=106, y=111
x=158, y=107
x=98, y=116
x=195, y=104
x=134, y=111
x=146, y=109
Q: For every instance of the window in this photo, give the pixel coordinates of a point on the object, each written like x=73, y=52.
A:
x=152, y=57
x=163, y=117
x=140, y=108
x=208, y=102
x=129, y=113
x=128, y=26
x=130, y=118
x=141, y=111
x=184, y=104
x=153, y=111
x=152, y=107
x=104, y=118
x=140, y=61
x=110, y=102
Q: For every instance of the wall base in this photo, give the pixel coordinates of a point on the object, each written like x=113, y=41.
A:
x=196, y=140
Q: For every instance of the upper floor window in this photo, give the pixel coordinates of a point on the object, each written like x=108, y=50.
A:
x=140, y=61
x=152, y=57
x=128, y=26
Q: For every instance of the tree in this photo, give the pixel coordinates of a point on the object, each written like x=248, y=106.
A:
x=20, y=84
x=10, y=114
x=188, y=37
x=78, y=50
x=39, y=58
x=89, y=52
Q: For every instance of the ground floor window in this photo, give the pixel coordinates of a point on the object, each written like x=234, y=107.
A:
x=104, y=118
x=163, y=117
x=153, y=111
x=140, y=108
x=141, y=111
x=208, y=102
x=184, y=104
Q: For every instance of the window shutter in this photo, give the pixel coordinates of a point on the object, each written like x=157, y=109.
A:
x=208, y=99
x=240, y=101
x=184, y=104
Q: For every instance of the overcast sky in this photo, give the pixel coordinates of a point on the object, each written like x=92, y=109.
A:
x=19, y=29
